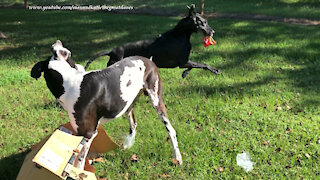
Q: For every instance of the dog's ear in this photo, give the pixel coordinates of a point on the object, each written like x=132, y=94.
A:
x=72, y=63
x=38, y=68
x=58, y=42
x=63, y=54
x=192, y=10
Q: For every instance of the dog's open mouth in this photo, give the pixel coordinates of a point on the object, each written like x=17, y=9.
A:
x=207, y=41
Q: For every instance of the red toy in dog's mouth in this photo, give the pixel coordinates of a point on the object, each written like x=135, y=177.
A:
x=207, y=41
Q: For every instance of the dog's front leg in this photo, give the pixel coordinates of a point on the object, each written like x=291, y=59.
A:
x=81, y=158
x=191, y=64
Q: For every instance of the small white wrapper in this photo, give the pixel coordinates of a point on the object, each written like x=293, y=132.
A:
x=243, y=160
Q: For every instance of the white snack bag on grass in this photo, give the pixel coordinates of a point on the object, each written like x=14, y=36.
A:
x=243, y=160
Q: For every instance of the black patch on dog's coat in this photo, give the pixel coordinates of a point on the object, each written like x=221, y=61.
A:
x=54, y=82
x=53, y=78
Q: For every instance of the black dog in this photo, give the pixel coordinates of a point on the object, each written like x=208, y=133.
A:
x=169, y=50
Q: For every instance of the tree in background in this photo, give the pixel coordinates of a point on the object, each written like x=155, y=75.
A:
x=202, y=7
x=25, y=4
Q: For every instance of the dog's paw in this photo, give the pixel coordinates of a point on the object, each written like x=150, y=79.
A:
x=177, y=160
x=216, y=71
x=128, y=141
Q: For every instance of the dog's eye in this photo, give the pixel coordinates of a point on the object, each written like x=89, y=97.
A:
x=200, y=23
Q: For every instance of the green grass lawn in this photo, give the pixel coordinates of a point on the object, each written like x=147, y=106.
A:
x=266, y=101
x=283, y=8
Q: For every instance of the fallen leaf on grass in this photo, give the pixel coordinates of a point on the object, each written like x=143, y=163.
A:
x=278, y=90
x=99, y=178
x=307, y=155
x=269, y=161
x=22, y=149
x=175, y=162
x=288, y=107
x=265, y=106
x=134, y=158
x=288, y=130
x=278, y=108
x=100, y=159
x=155, y=164
x=222, y=132
x=165, y=175
x=199, y=127
x=266, y=143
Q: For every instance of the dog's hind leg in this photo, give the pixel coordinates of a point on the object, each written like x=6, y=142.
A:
x=154, y=92
x=129, y=140
x=161, y=110
x=191, y=64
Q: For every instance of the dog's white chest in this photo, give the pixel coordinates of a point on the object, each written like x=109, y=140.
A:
x=71, y=83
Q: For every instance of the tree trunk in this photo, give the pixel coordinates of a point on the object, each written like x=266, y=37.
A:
x=202, y=7
x=26, y=4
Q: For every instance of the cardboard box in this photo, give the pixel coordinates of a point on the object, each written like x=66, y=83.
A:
x=53, y=157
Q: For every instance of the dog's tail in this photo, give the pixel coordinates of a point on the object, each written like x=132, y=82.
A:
x=95, y=57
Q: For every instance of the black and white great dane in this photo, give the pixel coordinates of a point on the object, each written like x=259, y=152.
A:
x=98, y=96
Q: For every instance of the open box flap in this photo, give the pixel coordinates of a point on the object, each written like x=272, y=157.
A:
x=55, y=154
x=29, y=170
x=102, y=143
